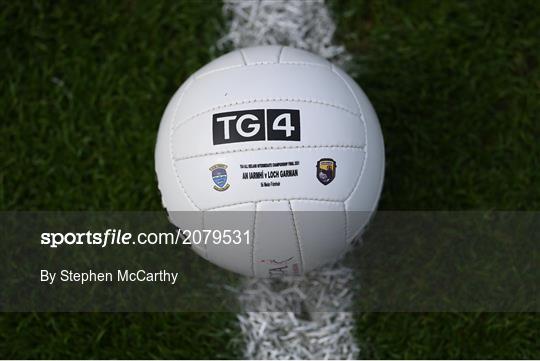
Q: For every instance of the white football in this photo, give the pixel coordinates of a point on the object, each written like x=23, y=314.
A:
x=283, y=136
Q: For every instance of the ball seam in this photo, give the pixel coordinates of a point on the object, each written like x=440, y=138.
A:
x=171, y=133
x=300, y=253
x=260, y=63
x=327, y=200
x=285, y=147
x=253, y=244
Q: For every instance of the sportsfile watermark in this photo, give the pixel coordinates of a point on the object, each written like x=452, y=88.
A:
x=192, y=262
x=118, y=237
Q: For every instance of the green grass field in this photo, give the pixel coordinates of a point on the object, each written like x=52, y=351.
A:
x=456, y=86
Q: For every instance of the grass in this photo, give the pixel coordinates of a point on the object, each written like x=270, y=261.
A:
x=85, y=85
x=456, y=87
x=85, y=90
x=455, y=84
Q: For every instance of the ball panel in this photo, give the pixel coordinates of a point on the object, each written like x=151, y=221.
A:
x=226, y=61
x=172, y=192
x=366, y=193
x=320, y=125
x=222, y=89
x=292, y=55
x=233, y=257
x=267, y=175
x=275, y=244
x=362, y=201
x=321, y=231
x=261, y=54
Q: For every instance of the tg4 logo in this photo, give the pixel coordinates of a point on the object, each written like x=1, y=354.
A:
x=256, y=124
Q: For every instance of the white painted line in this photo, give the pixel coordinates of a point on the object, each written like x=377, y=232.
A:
x=301, y=24
x=305, y=333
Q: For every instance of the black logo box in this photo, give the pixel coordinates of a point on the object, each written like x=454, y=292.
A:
x=256, y=124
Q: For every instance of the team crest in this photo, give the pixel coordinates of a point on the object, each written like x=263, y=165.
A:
x=219, y=176
x=326, y=170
